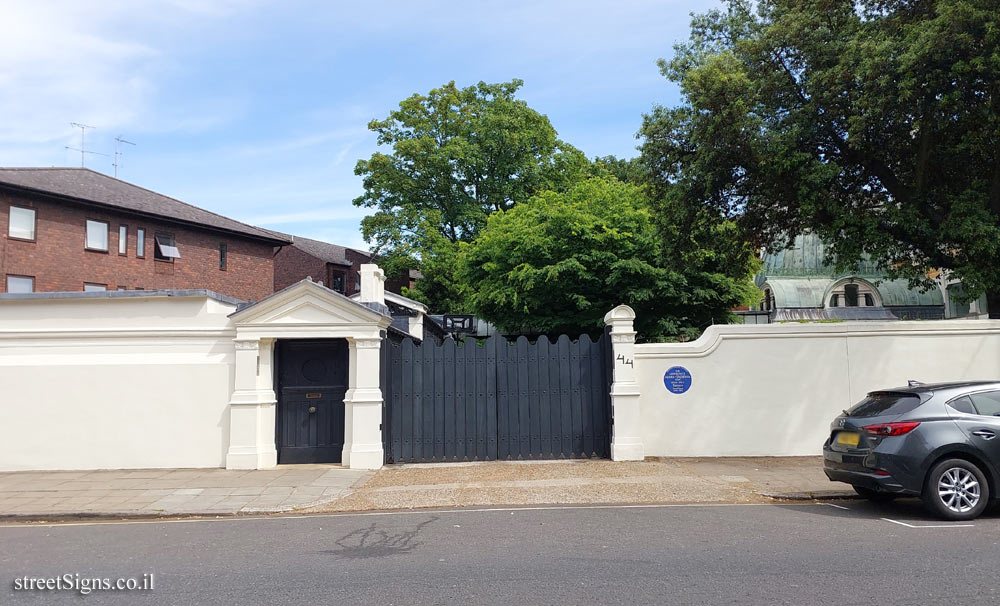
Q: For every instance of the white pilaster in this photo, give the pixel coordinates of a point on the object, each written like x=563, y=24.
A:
x=363, y=406
x=252, y=407
x=626, y=437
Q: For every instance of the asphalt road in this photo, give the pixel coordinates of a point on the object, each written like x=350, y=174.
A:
x=740, y=554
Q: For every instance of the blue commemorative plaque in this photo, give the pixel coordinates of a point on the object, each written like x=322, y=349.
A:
x=677, y=379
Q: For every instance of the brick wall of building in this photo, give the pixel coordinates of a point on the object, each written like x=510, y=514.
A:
x=59, y=261
x=353, y=273
x=292, y=265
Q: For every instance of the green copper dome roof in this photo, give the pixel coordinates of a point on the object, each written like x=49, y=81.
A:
x=799, y=292
x=814, y=292
x=898, y=292
x=805, y=259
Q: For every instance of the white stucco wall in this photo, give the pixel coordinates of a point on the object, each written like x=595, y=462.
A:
x=148, y=382
x=773, y=390
x=115, y=383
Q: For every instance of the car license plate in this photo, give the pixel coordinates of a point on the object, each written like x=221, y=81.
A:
x=848, y=438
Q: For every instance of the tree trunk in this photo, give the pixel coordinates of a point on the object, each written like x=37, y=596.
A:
x=993, y=303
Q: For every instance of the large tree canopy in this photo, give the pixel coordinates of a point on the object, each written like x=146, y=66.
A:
x=875, y=123
x=558, y=262
x=457, y=154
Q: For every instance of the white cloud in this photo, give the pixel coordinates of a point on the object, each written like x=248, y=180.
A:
x=258, y=110
x=57, y=71
x=97, y=63
x=277, y=147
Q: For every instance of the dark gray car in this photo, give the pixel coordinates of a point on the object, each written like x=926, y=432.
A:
x=936, y=441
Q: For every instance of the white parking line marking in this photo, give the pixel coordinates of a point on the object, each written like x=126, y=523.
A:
x=837, y=506
x=930, y=525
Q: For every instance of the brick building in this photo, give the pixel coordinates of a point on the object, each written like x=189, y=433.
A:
x=73, y=229
x=335, y=266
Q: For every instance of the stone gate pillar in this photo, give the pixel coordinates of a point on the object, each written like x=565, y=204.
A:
x=363, y=406
x=626, y=438
x=252, y=407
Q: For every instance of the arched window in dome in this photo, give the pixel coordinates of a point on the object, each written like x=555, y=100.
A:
x=852, y=292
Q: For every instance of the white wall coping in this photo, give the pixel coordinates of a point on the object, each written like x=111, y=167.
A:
x=399, y=300
x=714, y=335
x=119, y=294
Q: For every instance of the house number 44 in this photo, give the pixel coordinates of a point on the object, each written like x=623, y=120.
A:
x=624, y=361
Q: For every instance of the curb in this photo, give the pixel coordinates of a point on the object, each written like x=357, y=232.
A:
x=823, y=495
x=811, y=495
x=99, y=516
x=164, y=515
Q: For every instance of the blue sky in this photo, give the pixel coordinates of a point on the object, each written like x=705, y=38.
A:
x=258, y=110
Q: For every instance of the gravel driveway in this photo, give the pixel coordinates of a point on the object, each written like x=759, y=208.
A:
x=710, y=480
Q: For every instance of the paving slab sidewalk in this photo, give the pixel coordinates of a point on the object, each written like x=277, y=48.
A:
x=172, y=492
x=330, y=488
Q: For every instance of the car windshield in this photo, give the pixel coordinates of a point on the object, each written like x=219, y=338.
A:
x=884, y=403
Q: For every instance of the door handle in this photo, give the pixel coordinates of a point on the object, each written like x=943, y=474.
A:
x=312, y=409
x=984, y=434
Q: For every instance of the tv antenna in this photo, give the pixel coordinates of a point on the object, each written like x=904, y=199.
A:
x=83, y=149
x=119, y=141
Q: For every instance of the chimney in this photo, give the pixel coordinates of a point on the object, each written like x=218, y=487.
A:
x=372, y=284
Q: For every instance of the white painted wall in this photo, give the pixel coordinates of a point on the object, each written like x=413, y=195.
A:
x=772, y=390
x=147, y=382
x=115, y=383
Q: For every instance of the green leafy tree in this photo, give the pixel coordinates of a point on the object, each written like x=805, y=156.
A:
x=874, y=123
x=559, y=262
x=630, y=170
x=457, y=154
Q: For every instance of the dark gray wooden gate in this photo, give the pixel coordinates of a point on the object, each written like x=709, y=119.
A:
x=494, y=399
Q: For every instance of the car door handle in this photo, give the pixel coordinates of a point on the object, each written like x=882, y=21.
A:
x=984, y=434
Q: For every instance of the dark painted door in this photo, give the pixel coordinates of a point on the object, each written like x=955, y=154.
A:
x=312, y=381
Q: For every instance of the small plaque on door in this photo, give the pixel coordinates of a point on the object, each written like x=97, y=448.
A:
x=313, y=396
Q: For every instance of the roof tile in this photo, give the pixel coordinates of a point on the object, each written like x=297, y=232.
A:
x=90, y=186
x=330, y=253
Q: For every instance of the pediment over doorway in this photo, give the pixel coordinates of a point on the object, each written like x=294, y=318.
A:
x=307, y=303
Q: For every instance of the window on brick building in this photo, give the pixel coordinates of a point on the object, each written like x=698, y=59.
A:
x=93, y=287
x=337, y=282
x=223, y=254
x=20, y=284
x=122, y=239
x=140, y=242
x=97, y=235
x=21, y=223
x=165, y=249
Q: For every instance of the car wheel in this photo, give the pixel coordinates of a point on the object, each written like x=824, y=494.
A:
x=956, y=490
x=875, y=496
